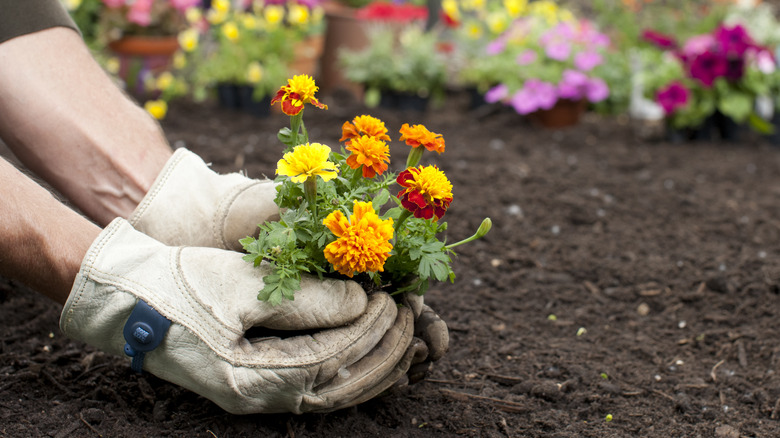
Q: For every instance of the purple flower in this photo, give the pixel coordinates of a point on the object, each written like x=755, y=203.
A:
x=697, y=45
x=709, y=66
x=496, y=46
x=674, y=96
x=659, y=40
x=534, y=95
x=596, y=90
x=734, y=40
x=735, y=68
x=497, y=93
x=527, y=57
x=586, y=61
x=558, y=50
x=573, y=85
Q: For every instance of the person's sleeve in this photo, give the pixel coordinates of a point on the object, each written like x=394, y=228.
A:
x=20, y=17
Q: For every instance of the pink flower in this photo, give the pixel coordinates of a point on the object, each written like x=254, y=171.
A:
x=496, y=46
x=709, y=66
x=558, y=50
x=659, y=40
x=497, y=93
x=183, y=5
x=697, y=45
x=674, y=96
x=733, y=40
x=527, y=57
x=140, y=12
x=764, y=61
x=573, y=85
x=534, y=95
x=586, y=61
x=113, y=4
x=596, y=90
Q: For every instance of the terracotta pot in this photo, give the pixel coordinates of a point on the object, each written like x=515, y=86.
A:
x=343, y=31
x=140, y=55
x=307, y=56
x=564, y=113
x=138, y=45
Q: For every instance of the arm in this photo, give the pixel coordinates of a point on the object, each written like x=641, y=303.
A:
x=66, y=120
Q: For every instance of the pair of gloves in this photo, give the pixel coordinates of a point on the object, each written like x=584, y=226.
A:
x=178, y=253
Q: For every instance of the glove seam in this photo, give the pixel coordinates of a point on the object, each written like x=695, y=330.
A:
x=178, y=156
x=220, y=218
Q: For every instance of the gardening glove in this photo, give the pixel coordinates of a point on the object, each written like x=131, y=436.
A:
x=190, y=204
x=209, y=297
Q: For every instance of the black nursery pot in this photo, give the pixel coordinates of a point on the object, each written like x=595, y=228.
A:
x=402, y=101
x=729, y=130
x=228, y=96
x=257, y=108
x=703, y=132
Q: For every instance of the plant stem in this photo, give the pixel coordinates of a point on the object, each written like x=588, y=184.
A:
x=310, y=193
x=483, y=229
x=295, y=126
x=414, y=156
x=404, y=215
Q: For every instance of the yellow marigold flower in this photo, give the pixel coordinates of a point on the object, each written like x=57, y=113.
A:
x=566, y=15
x=193, y=15
x=427, y=191
x=157, y=108
x=113, y=65
x=254, y=73
x=474, y=30
x=215, y=17
x=310, y=159
x=450, y=7
x=364, y=125
x=164, y=81
x=371, y=153
x=249, y=21
x=230, y=30
x=418, y=135
x=515, y=7
x=221, y=5
x=72, y=5
x=497, y=22
x=298, y=14
x=298, y=91
x=273, y=15
x=474, y=5
x=548, y=10
x=179, y=60
x=188, y=39
x=363, y=243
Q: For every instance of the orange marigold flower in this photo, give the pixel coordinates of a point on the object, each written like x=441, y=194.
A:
x=427, y=191
x=298, y=91
x=371, y=153
x=364, y=125
x=418, y=135
x=363, y=243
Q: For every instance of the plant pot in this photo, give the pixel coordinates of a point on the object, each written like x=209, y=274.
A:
x=228, y=96
x=398, y=101
x=703, y=132
x=563, y=114
x=258, y=108
x=729, y=130
x=343, y=31
x=142, y=55
x=307, y=56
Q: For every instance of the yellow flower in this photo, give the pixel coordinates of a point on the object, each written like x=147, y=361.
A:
x=310, y=159
x=113, y=65
x=474, y=30
x=273, y=15
x=298, y=14
x=157, y=108
x=248, y=21
x=515, y=7
x=298, y=91
x=72, y=5
x=450, y=7
x=254, y=73
x=474, y=5
x=230, y=30
x=363, y=243
x=497, y=22
x=179, y=60
x=221, y=5
x=371, y=153
x=164, y=81
x=216, y=17
x=427, y=191
x=193, y=15
x=188, y=39
x=546, y=9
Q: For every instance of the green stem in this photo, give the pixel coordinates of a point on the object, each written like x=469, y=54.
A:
x=404, y=215
x=295, y=126
x=310, y=194
x=483, y=229
x=414, y=156
x=304, y=132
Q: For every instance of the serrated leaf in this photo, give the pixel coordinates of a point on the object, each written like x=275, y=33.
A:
x=380, y=199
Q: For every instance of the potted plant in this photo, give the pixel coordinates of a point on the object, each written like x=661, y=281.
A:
x=547, y=65
x=402, y=65
x=711, y=80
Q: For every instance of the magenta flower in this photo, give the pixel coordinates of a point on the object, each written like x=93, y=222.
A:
x=764, y=61
x=534, y=95
x=497, y=93
x=559, y=50
x=183, y=5
x=140, y=12
x=573, y=85
x=586, y=61
x=734, y=40
x=527, y=57
x=697, y=45
x=596, y=90
x=496, y=46
x=709, y=66
x=673, y=96
x=659, y=40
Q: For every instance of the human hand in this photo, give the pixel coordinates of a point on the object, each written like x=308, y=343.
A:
x=209, y=295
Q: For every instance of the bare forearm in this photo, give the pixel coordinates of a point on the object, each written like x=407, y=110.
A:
x=42, y=241
x=64, y=118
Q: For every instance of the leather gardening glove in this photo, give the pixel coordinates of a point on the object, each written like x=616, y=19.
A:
x=190, y=204
x=210, y=298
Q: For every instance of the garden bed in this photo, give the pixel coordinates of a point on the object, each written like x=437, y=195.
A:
x=622, y=277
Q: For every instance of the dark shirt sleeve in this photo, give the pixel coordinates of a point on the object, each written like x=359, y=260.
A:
x=20, y=17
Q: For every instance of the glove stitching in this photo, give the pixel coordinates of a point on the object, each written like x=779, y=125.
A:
x=178, y=156
x=218, y=223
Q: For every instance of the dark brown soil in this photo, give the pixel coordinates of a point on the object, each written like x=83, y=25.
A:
x=623, y=277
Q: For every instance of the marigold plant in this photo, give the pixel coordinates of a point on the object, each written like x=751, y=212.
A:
x=338, y=216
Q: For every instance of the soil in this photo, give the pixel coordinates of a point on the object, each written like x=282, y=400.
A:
x=629, y=287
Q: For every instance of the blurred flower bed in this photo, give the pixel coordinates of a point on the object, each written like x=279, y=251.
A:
x=684, y=62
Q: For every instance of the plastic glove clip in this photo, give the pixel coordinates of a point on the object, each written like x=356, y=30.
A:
x=143, y=332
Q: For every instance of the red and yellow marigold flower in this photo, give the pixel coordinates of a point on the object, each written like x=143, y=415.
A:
x=364, y=125
x=307, y=160
x=418, y=135
x=298, y=91
x=363, y=243
x=371, y=153
x=427, y=191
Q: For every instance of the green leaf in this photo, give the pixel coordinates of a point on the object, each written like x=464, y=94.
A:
x=285, y=135
x=736, y=105
x=380, y=199
x=760, y=125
